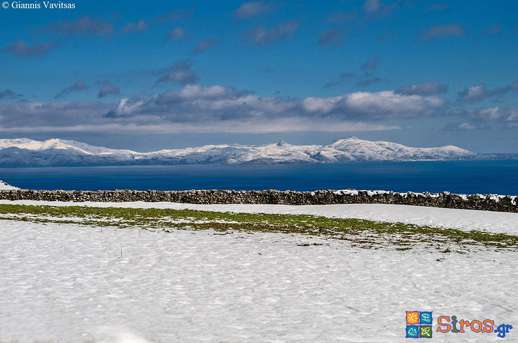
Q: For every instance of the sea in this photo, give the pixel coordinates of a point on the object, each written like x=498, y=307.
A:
x=487, y=176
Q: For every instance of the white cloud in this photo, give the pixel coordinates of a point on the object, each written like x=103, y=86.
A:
x=372, y=105
x=252, y=8
x=180, y=72
x=217, y=104
x=467, y=126
x=473, y=93
x=481, y=92
x=193, y=91
x=126, y=107
x=137, y=26
x=498, y=114
x=490, y=117
x=323, y=105
x=389, y=103
x=442, y=31
x=176, y=33
x=427, y=88
x=262, y=35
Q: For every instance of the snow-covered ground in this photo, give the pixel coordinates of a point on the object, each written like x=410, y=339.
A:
x=70, y=283
x=439, y=217
x=6, y=187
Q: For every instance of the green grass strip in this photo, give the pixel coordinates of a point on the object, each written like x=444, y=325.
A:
x=360, y=232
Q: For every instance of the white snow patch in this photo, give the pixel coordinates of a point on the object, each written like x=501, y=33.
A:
x=4, y=186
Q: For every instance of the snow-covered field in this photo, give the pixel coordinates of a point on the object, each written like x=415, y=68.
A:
x=70, y=283
x=438, y=217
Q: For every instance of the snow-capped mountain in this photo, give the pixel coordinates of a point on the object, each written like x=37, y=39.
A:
x=57, y=152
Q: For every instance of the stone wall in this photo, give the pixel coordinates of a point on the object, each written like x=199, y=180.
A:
x=447, y=200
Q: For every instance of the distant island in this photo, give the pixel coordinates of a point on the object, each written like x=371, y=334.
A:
x=56, y=152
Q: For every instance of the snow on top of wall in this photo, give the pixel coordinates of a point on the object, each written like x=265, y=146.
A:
x=495, y=197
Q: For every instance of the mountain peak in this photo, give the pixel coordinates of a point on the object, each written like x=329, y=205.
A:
x=352, y=139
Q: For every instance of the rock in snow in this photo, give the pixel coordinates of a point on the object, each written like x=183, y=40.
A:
x=57, y=152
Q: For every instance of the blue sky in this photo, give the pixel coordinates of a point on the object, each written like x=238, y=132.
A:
x=151, y=74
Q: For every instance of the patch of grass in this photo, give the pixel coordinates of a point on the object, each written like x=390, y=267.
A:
x=364, y=233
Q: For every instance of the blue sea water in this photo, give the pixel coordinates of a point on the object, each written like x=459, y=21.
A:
x=434, y=176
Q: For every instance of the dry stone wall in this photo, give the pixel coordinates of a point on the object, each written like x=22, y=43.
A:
x=321, y=197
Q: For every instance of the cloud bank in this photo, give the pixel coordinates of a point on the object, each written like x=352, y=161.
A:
x=215, y=108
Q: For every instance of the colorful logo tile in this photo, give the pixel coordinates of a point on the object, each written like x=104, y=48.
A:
x=425, y=318
x=412, y=331
x=425, y=331
x=412, y=317
x=419, y=324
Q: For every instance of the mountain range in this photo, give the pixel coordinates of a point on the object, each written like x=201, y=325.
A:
x=25, y=152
